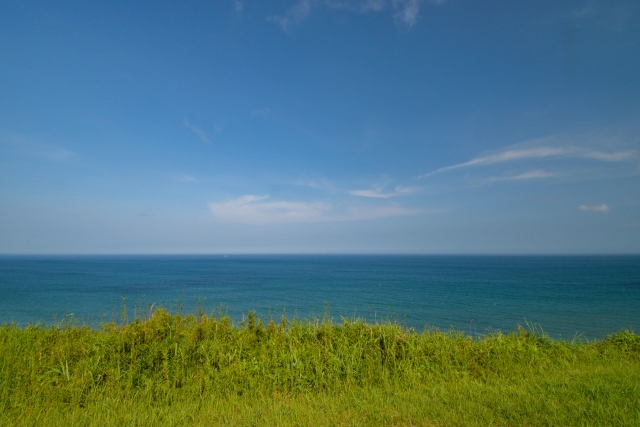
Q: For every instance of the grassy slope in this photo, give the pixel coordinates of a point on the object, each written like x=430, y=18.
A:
x=175, y=370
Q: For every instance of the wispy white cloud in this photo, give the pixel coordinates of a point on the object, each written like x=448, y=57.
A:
x=238, y=6
x=295, y=15
x=318, y=184
x=535, y=174
x=516, y=154
x=195, y=129
x=597, y=208
x=358, y=214
x=30, y=147
x=379, y=193
x=56, y=154
x=584, y=12
x=372, y=5
x=282, y=21
x=608, y=16
x=252, y=209
x=619, y=156
x=405, y=12
x=505, y=156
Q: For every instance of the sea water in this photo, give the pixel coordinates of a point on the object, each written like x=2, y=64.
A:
x=567, y=296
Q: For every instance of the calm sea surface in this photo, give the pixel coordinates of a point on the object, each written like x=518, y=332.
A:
x=565, y=295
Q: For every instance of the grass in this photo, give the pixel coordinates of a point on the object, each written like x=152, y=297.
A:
x=203, y=370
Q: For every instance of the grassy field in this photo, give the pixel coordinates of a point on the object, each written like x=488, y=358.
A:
x=203, y=370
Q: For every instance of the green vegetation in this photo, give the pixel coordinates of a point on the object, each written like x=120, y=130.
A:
x=202, y=370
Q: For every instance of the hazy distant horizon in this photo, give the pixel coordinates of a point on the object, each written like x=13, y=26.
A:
x=302, y=254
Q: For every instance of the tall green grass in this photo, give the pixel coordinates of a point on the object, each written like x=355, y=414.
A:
x=203, y=370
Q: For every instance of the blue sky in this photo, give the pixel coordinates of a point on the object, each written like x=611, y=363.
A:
x=313, y=126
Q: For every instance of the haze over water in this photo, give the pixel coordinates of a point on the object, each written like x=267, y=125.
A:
x=566, y=295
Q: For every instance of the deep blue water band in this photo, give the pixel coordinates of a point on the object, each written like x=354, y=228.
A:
x=565, y=295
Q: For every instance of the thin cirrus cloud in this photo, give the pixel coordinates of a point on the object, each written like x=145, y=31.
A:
x=27, y=146
x=259, y=210
x=619, y=156
x=251, y=209
x=405, y=12
x=535, y=174
x=378, y=193
x=537, y=153
x=596, y=208
x=195, y=129
x=56, y=154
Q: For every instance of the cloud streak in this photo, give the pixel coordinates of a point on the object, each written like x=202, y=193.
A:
x=619, y=156
x=405, y=12
x=372, y=6
x=535, y=174
x=295, y=15
x=259, y=210
x=195, y=129
x=37, y=149
x=597, y=208
x=56, y=154
x=537, y=153
x=253, y=209
x=378, y=193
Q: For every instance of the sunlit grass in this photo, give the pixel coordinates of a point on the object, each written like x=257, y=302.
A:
x=203, y=370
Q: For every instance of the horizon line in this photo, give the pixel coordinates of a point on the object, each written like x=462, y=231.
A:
x=227, y=254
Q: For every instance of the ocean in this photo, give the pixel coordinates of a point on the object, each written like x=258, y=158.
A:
x=567, y=296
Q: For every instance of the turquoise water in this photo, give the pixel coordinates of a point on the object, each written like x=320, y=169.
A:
x=565, y=295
